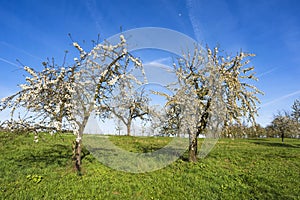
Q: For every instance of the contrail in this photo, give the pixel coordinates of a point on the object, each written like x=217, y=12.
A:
x=160, y=60
x=280, y=98
x=91, y=6
x=266, y=72
x=20, y=50
x=8, y=62
x=194, y=21
x=159, y=64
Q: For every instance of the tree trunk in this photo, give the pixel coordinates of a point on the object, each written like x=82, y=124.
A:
x=193, y=147
x=77, y=155
x=77, y=147
x=128, y=126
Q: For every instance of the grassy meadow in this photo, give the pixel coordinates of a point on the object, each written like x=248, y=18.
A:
x=235, y=169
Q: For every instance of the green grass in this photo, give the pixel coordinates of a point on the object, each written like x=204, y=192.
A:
x=235, y=169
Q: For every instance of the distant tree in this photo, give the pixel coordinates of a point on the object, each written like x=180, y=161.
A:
x=64, y=96
x=128, y=102
x=270, y=131
x=296, y=110
x=213, y=91
x=119, y=127
x=172, y=121
x=284, y=125
x=156, y=120
x=259, y=131
x=235, y=131
x=244, y=131
x=296, y=115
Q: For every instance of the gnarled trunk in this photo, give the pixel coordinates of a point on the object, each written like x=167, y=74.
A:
x=193, y=147
x=77, y=147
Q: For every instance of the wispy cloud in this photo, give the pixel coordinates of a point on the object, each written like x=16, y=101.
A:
x=160, y=71
x=266, y=72
x=280, y=98
x=160, y=63
x=92, y=8
x=162, y=60
x=8, y=62
x=19, y=50
x=195, y=23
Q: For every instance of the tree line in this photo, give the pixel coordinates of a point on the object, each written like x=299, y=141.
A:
x=285, y=124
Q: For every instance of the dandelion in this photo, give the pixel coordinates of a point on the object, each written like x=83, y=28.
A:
x=52, y=132
x=36, y=139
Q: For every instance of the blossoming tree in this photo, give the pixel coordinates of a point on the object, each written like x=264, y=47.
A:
x=212, y=92
x=129, y=101
x=61, y=98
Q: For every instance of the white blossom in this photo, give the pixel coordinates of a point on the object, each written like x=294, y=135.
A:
x=24, y=86
x=124, y=51
x=123, y=40
x=108, y=48
x=113, y=81
x=104, y=72
x=4, y=99
x=76, y=45
x=78, y=139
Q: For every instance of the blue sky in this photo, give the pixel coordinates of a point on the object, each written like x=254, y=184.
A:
x=33, y=30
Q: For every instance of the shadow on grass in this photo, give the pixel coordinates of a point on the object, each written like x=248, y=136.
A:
x=258, y=139
x=54, y=155
x=58, y=154
x=276, y=144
